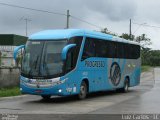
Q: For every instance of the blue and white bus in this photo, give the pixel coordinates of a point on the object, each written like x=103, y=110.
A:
x=76, y=62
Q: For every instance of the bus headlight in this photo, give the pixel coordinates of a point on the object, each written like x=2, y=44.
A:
x=56, y=81
x=60, y=90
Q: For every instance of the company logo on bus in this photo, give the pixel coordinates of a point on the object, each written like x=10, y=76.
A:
x=115, y=74
x=95, y=63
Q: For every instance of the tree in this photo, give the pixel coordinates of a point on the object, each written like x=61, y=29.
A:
x=127, y=36
x=145, y=50
x=105, y=30
x=143, y=40
x=154, y=59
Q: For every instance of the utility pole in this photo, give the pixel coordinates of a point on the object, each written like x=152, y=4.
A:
x=68, y=15
x=26, y=22
x=130, y=29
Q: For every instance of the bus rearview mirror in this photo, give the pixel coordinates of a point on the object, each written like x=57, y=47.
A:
x=16, y=51
x=66, y=49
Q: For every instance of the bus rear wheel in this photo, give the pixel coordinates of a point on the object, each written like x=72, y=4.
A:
x=126, y=86
x=83, y=91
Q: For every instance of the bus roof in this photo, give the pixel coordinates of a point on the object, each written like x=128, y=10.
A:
x=68, y=33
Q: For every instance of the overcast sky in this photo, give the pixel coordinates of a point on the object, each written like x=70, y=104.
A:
x=112, y=14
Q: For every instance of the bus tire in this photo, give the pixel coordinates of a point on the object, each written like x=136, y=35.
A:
x=83, y=91
x=46, y=97
x=125, y=89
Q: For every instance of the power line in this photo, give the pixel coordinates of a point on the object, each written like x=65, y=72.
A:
x=140, y=25
x=143, y=24
x=137, y=29
x=46, y=11
x=146, y=25
x=85, y=21
x=27, y=8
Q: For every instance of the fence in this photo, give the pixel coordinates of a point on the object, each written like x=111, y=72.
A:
x=9, y=76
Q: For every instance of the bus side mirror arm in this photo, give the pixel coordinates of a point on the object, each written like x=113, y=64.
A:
x=66, y=49
x=16, y=50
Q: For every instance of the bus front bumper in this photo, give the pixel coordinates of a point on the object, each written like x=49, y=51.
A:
x=36, y=89
x=56, y=90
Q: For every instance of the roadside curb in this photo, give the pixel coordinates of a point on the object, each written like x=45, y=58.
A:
x=12, y=97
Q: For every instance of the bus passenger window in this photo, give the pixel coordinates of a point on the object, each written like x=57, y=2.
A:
x=89, y=49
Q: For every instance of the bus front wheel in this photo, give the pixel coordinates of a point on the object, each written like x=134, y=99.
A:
x=83, y=91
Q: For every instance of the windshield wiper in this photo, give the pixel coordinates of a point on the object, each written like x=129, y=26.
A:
x=45, y=65
x=36, y=61
x=35, y=66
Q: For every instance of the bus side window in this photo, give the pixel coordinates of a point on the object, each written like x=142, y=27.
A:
x=89, y=49
x=73, y=54
x=111, y=50
x=101, y=48
x=120, y=50
x=69, y=61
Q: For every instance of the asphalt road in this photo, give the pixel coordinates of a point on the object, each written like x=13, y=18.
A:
x=30, y=107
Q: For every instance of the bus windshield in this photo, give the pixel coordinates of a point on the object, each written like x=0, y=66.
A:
x=43, y=58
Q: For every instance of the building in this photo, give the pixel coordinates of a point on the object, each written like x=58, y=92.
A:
x=7, y=44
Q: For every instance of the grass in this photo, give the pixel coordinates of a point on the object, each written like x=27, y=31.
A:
x=6, y=92
x=145, y=68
